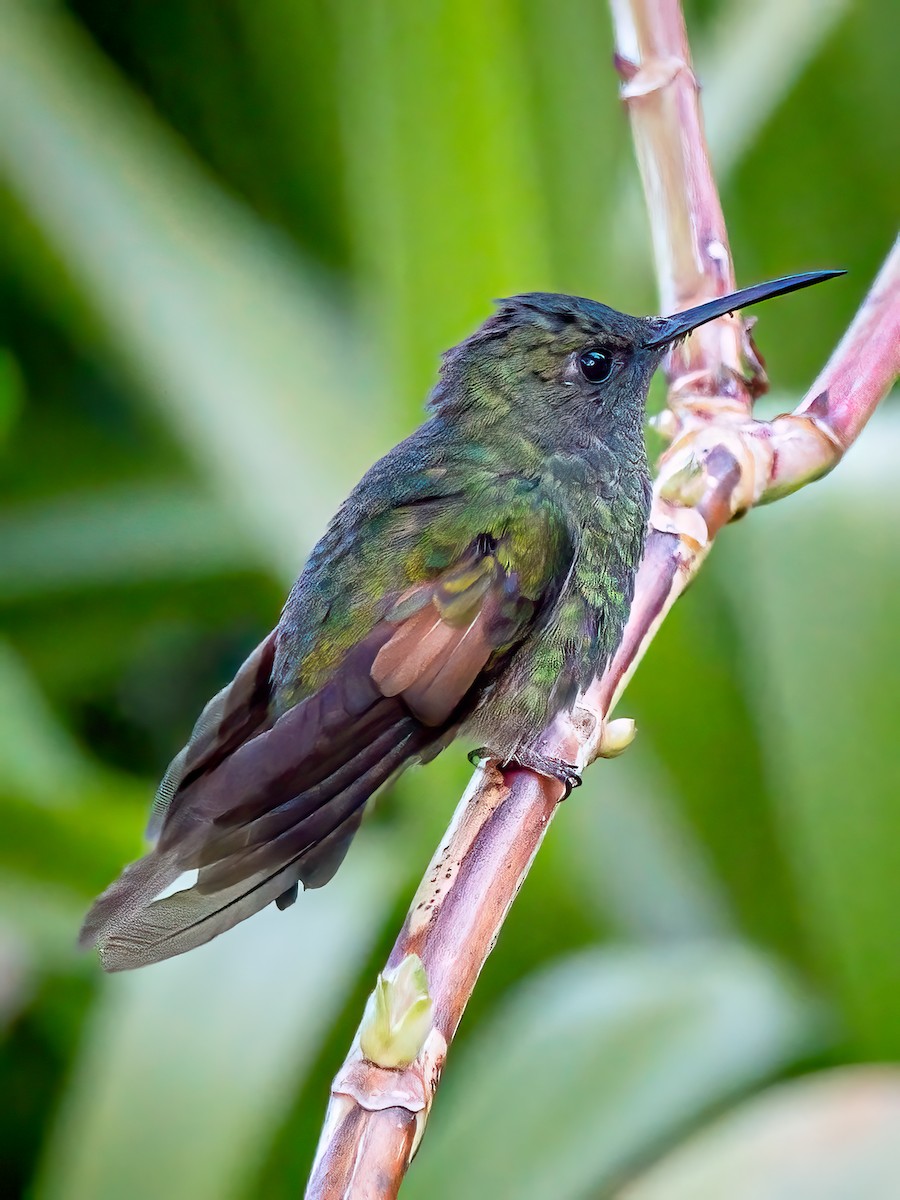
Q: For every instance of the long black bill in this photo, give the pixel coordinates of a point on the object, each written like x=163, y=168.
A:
x=669, y=329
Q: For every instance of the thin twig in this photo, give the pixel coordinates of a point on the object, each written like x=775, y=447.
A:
x=720, y=462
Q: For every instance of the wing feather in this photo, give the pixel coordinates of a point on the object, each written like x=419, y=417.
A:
x=261, y=800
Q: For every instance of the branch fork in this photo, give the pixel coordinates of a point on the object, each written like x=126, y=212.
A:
x=720, y=462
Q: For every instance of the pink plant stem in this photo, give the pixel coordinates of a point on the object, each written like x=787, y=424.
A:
x=844, y=395
x=720, y=462
x=376, y=1116
x=690, y=241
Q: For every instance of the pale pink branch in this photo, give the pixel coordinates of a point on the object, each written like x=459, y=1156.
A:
x=804, y=445
x=740, y=463
x=690, y=242
x=720, y=463
x=844, y=395
x=376, y=1116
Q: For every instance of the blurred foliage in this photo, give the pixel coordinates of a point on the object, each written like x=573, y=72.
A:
x=847, y=1122
x=236, y=238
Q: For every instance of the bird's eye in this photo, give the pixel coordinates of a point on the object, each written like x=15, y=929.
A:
x=596, y=365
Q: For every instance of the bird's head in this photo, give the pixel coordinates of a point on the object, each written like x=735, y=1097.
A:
x=563, y=367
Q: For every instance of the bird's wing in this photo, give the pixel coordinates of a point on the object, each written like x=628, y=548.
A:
x=233, y=716
x=258, y=801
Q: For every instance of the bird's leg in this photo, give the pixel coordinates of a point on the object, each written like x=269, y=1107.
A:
x=532, y=759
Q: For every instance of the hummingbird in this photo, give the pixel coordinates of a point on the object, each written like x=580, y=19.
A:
x=474, y=581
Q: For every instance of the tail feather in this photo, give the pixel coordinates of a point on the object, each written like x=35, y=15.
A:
x=187, y=919
x=320, y=862
x=136, y=887
x=311, y=830
x=259, y=817
x=234, y=714
x=228, y=839
x=270, y=790
x=302, y=748
x=236, y=888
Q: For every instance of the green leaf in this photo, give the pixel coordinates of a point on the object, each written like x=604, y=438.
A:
x=187, y=1068
x=828, y=1137
x=772, y=38
x=115, y=537
x=691, y=702
x=816, y=582
x=38, y=757
x=240, y=345
x=595, y=1061
x=11, y=395
x=442, y=172
x=630, y=853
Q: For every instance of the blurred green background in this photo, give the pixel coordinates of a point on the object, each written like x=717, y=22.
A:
x=235, y=238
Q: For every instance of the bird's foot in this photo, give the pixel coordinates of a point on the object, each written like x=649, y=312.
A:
x=564, y=772
x=531, y=759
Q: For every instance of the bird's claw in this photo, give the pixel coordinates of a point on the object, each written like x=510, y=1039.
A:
x=553, y=768
x=542, y=764
x=571, y=782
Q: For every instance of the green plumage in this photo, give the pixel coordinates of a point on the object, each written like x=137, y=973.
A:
x=551, y=467
x=472, y=583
